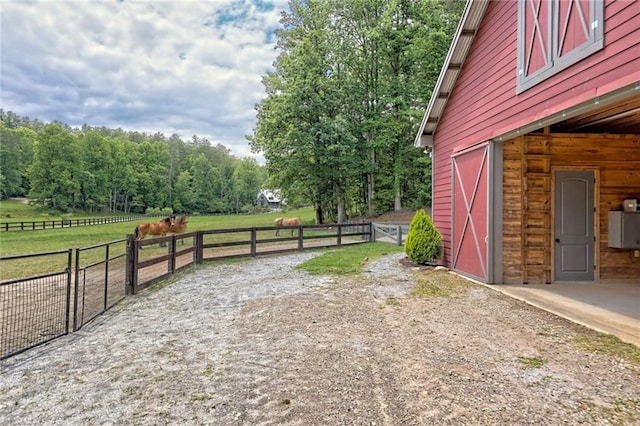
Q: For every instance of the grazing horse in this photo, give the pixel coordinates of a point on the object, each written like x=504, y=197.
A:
x=180, y=226
x=284, y=221
x=155, y=228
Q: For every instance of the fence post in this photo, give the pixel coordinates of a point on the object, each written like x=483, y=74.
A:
x=399, y=235
x=254, y=242
x=106, y=276
x=199, y=242
x=75, y=290
x=300, y=237
x=339, y=239
x=66, y=323
x=130, y=266
x=172, y=252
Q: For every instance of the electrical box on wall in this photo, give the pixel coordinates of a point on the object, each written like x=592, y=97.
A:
x=631, y=205
x=624, y=230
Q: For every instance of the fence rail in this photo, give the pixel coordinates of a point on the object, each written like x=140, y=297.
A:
x=67, y=223
x=149, y=267
x=42, y=307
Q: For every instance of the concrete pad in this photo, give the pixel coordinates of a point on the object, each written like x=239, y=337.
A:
x=612, y=308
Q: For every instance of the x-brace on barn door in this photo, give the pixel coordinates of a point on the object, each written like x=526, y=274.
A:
x=470, y=211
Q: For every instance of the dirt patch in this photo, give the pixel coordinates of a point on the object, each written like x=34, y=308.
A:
x=23, y=200
x=260, y=342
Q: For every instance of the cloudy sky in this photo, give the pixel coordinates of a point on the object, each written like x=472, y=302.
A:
x=184, y=67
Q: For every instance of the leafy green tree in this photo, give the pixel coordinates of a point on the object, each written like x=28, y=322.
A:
x=183, y=199
x=207, y=184
x=16, y=153
x=247, y=182
x=55, y=172
x=152, y=174
x=121, y=175
x=343, y=105
x=297, y=125
x=95, y=152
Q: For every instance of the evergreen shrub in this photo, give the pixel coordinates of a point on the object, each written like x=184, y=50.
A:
x=424, y=242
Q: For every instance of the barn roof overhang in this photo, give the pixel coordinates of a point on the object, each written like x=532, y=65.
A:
x=615, y=112
x=471, y=18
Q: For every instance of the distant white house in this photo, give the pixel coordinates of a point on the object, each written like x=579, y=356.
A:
x=270, y=198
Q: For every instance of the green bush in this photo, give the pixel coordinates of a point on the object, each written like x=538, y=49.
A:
x=424, y=242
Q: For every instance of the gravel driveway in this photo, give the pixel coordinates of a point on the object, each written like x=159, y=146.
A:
x=262, y=343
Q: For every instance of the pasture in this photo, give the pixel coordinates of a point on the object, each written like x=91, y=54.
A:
x=25, y=242
x=46, y=240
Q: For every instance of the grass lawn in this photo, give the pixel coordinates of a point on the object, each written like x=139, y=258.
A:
x=348, y=260
x=17, y=211
x=26, y=242
x=49, y=240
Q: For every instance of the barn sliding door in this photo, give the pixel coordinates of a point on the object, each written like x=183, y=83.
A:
x=470, y=251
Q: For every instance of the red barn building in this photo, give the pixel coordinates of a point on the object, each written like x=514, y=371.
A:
x=533, y=128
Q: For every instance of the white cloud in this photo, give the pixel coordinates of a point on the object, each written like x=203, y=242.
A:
x=184, y=67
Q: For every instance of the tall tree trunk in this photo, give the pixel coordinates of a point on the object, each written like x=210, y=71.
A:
x=340, y=202
x=397, y=203
x=371, y=187
x=319, y=215
x=397, y=178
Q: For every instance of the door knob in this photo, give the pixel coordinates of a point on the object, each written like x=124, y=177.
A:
x=557, y=240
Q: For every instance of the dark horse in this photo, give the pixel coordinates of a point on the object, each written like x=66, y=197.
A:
x=284, y=221
x=155, y=228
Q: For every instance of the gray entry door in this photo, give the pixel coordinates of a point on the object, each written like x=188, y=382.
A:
x=574, y=227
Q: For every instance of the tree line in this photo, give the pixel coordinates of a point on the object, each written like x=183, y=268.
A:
x=336, y=127
x=97, y=169
x=343, y=105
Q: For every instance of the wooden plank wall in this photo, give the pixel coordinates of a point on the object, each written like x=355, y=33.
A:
x=512, y=212
x=527, y=247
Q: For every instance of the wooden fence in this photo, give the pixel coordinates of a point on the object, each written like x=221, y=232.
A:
x=47, y=305
x=164, y=256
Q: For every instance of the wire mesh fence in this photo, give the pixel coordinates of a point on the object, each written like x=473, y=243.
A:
x=100, y=280
x=34, y=310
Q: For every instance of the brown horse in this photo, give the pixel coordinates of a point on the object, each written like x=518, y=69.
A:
x=180, y=225
x=284, y=221
x=155, y=228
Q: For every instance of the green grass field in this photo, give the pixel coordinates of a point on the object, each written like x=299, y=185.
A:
x=340, y=261
x=50, y=240
x=17, y=211
x=26, y=242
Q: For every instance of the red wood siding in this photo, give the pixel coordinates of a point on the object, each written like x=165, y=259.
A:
x=470, y=208
x=484, y=103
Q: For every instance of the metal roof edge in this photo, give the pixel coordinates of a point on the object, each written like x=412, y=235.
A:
x=599, y=101
x=473, y=9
